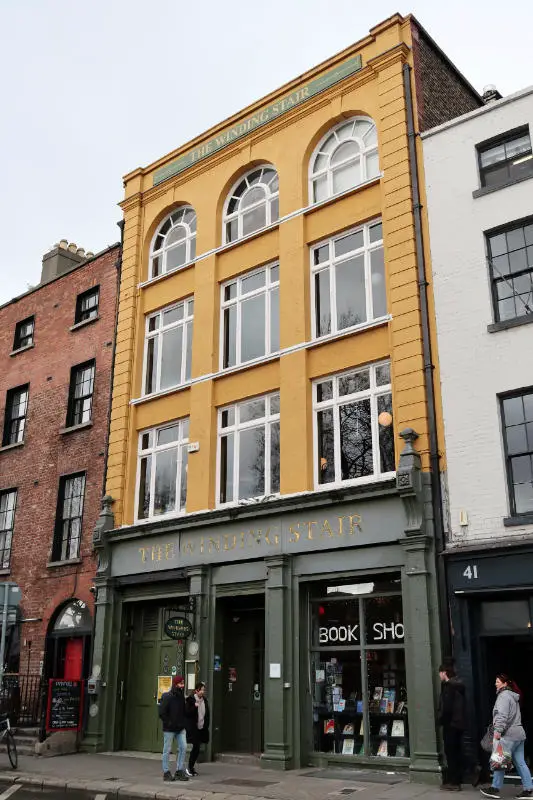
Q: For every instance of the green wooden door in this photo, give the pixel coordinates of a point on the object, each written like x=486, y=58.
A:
x=151, y=654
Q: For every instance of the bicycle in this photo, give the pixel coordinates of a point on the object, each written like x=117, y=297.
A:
x=8, y=735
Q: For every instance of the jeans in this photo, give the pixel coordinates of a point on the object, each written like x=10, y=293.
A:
x=181, y=739
x=517, y=752
x=453, y=750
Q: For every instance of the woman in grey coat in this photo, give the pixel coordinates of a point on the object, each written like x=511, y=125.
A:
x=507, y=722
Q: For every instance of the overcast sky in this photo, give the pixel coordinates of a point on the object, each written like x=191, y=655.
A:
x=91, y=90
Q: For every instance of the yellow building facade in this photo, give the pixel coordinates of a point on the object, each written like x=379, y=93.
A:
x=271, y=347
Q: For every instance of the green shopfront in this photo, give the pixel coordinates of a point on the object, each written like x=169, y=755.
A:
x=312, y=620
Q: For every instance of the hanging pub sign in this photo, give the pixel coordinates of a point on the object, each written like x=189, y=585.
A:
x=178, y=628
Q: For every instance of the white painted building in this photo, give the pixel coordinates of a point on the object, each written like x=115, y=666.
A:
x=479, y=177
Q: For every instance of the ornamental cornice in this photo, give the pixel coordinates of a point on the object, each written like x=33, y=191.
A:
x=398, y=54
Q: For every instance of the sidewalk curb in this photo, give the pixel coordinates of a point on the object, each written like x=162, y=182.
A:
x=120, y=789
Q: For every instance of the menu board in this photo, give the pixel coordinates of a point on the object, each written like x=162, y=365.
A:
x=65, y=705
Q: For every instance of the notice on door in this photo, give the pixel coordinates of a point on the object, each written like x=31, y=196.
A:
x=65, y=706
x=164, y=684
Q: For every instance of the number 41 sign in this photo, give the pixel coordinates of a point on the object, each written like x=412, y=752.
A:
x=470, y=572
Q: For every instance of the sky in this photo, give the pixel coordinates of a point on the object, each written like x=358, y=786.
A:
x=92, y=90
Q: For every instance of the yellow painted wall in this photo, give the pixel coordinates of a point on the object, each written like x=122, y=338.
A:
x=287, y=143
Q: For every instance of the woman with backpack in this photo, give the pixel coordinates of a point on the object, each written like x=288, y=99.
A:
x=507, y=722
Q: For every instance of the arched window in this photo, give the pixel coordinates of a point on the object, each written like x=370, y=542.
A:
x=346, y=157
x=174, y=243
x=252, y=204
x=74, y=618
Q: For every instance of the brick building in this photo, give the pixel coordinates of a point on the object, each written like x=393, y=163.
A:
x=56, y=356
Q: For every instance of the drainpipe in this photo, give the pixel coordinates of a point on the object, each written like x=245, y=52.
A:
x=436, y=489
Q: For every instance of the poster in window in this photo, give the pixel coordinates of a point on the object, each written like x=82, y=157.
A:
x=398, y=728
x=347, y=747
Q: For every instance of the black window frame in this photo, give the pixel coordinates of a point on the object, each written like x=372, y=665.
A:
x=75, y=407
x=496, y=279
x=83, y=315
x=10, y=420
x=61, y=544
x=18, y=343
x=489, y=144
x=5, y=563
x=528, y=390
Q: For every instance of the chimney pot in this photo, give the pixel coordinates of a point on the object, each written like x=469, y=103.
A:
x=89, y=254
x=490, y=94
x=80, y=251
x=73, y=247
x=63, y=243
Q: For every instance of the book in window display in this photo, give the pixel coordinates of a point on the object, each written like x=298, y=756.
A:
x=398, y=728
x=383, y=749
x=383, y=730
x=348, y=747
x=348, y=729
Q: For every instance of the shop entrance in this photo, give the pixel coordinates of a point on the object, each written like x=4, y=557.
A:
x=240, y=680
x=148, y=659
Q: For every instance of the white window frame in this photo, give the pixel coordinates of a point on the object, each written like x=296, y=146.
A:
x=331, y=264
x=373, y=393
x=190, y=239
x=11, y=497
x=237, y=301
x=181, y=445
x=235, y=429
x=328, y=170
x=188, y=317
x=239, y=213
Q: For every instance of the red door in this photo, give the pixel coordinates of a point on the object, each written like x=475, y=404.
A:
x=73, y=659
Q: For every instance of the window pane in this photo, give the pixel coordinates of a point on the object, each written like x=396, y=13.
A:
x=513, y=408
x=176, y=256
x=173, y=315
x=523, y=496
x=156, y=266
x=188, y=352
x=498, y=244
x=274, y=320
x=274, y=458
x=356, y=382
x=145, y=473
x=517, y=260
x=168, y=435
x=253, y=410
x=383, y=375
x=493, y=155
x=350, y=292
x=228, y=417
x=515, y=239
x=171, y=353
x=254, y=220
x=495, y=175
x=379, y=297
x=354, y=241
x=274, y=404
x=507, y=309
x=226, y=468
x=165, y=481
x=344, y=151
x=522, y=469
x=326, y=457
x=375, y=232
x=324, y=391
x=356, y=440
x=372, y=165
x=232, y=230
x=153, y=323
x=274, y=274
x=340, y=672
x=528, y=407
x=345, y=178
x=230, y=291
x=253, y=282
x=320, y=189
x=151, y=365
x=253, y=328
x=183, y=478
x=252, y=197
x=322, y=303
x=252, y=463
x=387, y=694
x=500, y=264
x=517, y=440
x=146, y=441
x=386, y=434
x=230, y=336
x=274, y=209
x=518, y=146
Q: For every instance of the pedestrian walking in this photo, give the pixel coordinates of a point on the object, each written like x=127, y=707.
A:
x=452, y=717
x=173, y=717
x=507, y=722
x=197, y=709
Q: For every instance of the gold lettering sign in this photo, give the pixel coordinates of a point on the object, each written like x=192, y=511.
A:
x=254, y=539
x=258, y=119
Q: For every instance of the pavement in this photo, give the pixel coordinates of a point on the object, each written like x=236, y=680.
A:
x=117, y=776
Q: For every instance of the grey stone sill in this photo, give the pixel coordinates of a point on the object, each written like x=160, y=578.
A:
x=509, y=323
x=22, y=349
x=68, y=562
x=75, y=428
x=489, y=189
x=520, y=519
x=6, y=571
x=84, y=323
x=11, y=446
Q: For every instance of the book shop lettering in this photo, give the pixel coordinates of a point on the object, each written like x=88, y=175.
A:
x=381, y=632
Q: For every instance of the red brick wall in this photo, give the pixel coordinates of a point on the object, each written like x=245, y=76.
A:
x=441, y=93
x=35, y=468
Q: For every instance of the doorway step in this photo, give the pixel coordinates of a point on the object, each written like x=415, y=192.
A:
x=25, y=739
x=246, y=759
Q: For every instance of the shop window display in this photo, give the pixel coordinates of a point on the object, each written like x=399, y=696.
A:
x=358, y=679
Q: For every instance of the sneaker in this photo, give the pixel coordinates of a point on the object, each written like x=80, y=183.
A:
x=490, y=791
x=167, y=776
x=193, y=772
x=188, y=772
x=180, y=775
x=525, y=794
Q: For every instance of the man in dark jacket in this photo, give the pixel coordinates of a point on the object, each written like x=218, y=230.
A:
x=197, y=709
x=172, y=715
x=452, y=717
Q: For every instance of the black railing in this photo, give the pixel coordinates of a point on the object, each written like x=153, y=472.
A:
x=22, y=697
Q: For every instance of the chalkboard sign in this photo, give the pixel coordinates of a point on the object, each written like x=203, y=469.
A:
x=65, y=706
